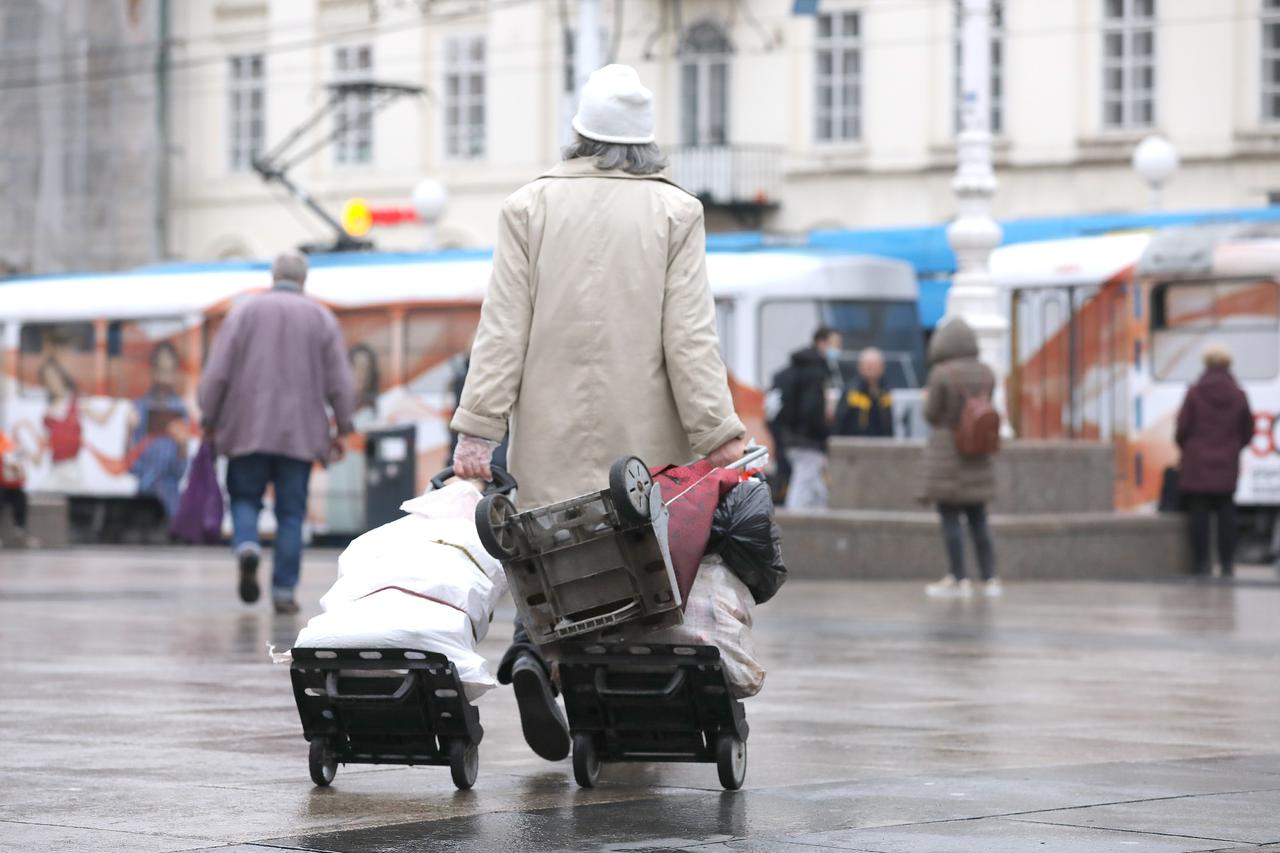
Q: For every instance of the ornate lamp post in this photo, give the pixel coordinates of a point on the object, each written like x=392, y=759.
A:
x=974, y=233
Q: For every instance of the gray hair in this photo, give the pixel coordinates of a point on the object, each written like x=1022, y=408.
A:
x=290, y=266
x=645, y=159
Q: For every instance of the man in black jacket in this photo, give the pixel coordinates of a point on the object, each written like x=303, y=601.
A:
x=804, y=422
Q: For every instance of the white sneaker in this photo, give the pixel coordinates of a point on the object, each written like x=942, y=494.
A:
x=993, y=588
x=949, y=587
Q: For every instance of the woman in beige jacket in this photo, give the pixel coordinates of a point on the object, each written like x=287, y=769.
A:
x=597, y=337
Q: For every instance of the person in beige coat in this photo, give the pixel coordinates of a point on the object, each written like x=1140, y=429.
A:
x=597, y=338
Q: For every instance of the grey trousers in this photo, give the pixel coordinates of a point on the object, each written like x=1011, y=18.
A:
x=953, y=536
x=807, y=488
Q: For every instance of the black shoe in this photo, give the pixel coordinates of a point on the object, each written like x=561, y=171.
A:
x=249, y=589
x=286, y=607
x=543, y=722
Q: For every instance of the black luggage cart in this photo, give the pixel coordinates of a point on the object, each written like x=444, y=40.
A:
x=384, y=706
x=651, y=702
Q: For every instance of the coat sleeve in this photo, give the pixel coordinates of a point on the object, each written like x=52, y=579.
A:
x=937, y=399
x=502, y=339
x=339, y=384
x=845, y=422
x=215, y=377
x=1247, y=426
x=1186, y=419
x=691, y=349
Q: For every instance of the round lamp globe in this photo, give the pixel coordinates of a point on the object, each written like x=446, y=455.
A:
x=429, y=200
x=1155, y=160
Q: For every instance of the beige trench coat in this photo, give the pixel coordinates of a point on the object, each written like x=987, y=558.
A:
x=597, y=337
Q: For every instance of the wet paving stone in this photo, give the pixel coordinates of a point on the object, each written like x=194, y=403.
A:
x=141, y=712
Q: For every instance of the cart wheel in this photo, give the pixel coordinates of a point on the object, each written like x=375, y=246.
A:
x=322, y=762
x=629, y=486
x=586, y=764
x=731, y=761
x=497, y=534
x=464, y=763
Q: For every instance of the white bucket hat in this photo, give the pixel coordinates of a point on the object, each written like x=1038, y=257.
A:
x=615, y=107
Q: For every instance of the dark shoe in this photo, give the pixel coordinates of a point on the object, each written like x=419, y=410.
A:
x=1228, y=571
x=249, y=589
x=286, y=607
x=545, y=729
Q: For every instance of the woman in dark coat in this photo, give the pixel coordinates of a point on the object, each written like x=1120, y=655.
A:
x=1214, y=425
x=961, y=486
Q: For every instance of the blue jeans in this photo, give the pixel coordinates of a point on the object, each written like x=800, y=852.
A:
x=247, y=479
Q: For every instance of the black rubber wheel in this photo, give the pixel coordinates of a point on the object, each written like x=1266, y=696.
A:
x=586, y=764
x=731, y=761
x=322, y=763
x=464, y=763
x=629, y=485
x=497, y=534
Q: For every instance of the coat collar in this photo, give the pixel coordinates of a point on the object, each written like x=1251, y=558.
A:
x=583, y=167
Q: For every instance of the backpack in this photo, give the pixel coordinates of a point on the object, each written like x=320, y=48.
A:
x=978, y=432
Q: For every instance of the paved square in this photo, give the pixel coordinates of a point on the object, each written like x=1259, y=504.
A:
x=141, y=713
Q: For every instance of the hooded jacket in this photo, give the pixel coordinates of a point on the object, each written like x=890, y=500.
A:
x=803, y=418
x=1214, y=425
x=955, y=374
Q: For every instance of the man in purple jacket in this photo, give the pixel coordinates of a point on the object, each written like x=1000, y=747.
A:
x=278, y=360
x=1214, y=425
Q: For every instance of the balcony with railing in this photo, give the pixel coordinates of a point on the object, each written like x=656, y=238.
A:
x=741, y=180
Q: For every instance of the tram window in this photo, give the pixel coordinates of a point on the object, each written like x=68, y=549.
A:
x=144, y=355
x=367, y=335
x=787, y=325
x=437, y=340
x=56, y=358
x=1243, y=316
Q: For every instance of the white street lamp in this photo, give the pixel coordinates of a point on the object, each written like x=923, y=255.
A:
x=974, y=233
x=1156, y=161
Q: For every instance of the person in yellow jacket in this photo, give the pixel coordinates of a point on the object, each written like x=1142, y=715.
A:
x=866, y=409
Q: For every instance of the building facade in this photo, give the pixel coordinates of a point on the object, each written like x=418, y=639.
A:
x=841, y=118
x=81, y=135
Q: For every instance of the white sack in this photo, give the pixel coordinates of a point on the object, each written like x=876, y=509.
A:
x=433, y=551
x=718, y=614
x=393, y=619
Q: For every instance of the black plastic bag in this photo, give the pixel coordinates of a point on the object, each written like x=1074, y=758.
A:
x=747, y=538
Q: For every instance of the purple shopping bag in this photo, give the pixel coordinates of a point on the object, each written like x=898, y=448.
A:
x=199, y=516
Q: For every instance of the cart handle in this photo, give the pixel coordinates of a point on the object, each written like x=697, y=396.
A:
x=565, y=628
x=674, y=685
x=331, y=690
x=755, y=453
x=502, y=484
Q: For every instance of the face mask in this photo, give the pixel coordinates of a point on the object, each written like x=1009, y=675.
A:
x=833, y=357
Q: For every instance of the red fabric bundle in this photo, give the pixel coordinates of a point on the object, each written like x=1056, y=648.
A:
x=691, y=493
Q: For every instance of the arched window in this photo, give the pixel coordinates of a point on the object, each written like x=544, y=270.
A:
x=704, y=85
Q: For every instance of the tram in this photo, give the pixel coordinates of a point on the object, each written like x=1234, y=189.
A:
x=83, y=358
x=1107, y=333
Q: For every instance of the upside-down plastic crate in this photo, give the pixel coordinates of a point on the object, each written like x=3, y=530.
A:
x=588, y=564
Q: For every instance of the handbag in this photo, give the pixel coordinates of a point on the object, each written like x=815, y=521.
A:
x=199, y=516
